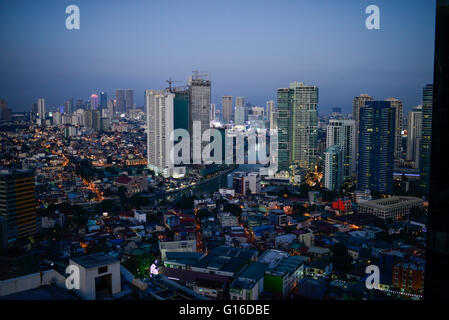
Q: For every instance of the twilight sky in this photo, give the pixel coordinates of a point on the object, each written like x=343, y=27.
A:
x=249, y=47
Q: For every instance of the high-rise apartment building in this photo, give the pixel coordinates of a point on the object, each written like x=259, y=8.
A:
x=304, y=128
x=79, y=104
x=359, y=102
x=34, y=111
x=94, y=101
x=41, y=108
x=88, y=119
x=239, y=115
x=212, y=112
x=414, y=133
x=273, y=118
x=342, y=133
x=160, y=125
x=18, y=203
x=226, y=103
x=120, y=101
x=239, y=102
x=103, y=99
x=110, y=107
x=129, y=100
x=240, y=112
x=376, y=147
x=284, y=103
x=271, y=107
x=397, y=105
x=426, y=137
x=333, y=168
x=5, y=112
x=199, y=106
x=68, y=106
x=96, y=120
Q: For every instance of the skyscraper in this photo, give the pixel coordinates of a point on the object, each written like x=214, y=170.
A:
x=376, y=147
x=333, y=168
x=247, y=109
x=426, y=138
x=342, y=133
x=270, y=108
x=212, y=112
x=34, y=111
x=226, y=103
x=5, y=112
x=304, y=128
x=110, y=106
x=96, y=120
x=18, y=203
x=273, y=120
x=120, y=101
x=129, y=100
x=199, y=108
x=284, y=103
x=239, y=102
x=160, y=125
x=181, y=108
x=240, y=115
x=79, y=104
x=414, y=133
x=94, y=101
x=88, y=119
x=103, y=99
x=437, y=248
x=359, y=102
x=41, y=109
x=68, y=106
x=240, y=111
x=397, y=105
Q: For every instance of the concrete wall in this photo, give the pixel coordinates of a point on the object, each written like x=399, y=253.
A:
x=31, y=281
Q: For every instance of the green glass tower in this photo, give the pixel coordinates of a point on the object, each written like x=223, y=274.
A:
x=181, y=108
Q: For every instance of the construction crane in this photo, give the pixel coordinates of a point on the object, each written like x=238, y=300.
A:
x=199, y=74
x=170, y=81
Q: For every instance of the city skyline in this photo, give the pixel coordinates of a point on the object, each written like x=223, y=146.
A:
x=254, y=66
x=305, y=161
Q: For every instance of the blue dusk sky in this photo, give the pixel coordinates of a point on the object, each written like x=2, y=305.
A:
x=249, y=47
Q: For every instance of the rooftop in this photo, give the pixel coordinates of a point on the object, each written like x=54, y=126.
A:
x=94, y=260
x=389, y=203
x=272, y=256
x=41, y=293
x=286, y=266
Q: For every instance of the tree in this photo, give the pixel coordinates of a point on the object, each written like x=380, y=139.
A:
x=136, y=201
x=185, y=203
x=140, y=265
x=106, y=206
x=233, y=208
